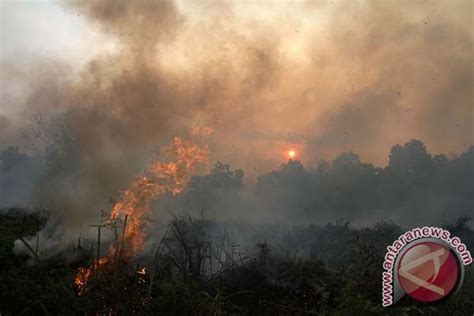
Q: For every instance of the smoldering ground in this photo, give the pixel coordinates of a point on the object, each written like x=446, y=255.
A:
x=321, y=76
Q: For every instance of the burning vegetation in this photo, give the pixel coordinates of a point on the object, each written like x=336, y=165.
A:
x=181, y=159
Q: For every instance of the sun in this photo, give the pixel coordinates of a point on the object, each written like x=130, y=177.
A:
x=291, y=154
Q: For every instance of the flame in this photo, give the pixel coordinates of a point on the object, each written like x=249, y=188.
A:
x=180, y=159
x=85, y=273
x=82, y=277
x=161, y=177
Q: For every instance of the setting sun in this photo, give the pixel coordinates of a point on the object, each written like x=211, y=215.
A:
x=291, y=154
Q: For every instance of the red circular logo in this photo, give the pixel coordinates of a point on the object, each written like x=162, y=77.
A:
x=428, y=271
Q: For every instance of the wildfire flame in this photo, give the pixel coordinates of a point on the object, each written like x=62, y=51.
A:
x=85, y=273
x=82, y=277
x=180, y=160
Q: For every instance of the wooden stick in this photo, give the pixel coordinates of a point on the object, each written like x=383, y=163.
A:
x=98, y=247
x=99, y=226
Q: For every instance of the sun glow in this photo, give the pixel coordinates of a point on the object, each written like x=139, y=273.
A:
x=291, y=154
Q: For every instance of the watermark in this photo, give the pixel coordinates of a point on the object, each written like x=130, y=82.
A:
x=425, y=263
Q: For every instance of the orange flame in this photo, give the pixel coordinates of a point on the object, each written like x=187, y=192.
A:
x=85, y=273
x=181, y=159
x=161, y=177
x=82, y=277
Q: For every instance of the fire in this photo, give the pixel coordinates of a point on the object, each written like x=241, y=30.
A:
x=171, y=174
x=82, y=277
x=85, y=273
x=161, y=177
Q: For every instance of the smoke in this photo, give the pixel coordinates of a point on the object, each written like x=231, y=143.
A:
x=414, y=189
x=322, y=77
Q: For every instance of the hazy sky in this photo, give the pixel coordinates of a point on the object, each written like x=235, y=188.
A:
x=319, y=77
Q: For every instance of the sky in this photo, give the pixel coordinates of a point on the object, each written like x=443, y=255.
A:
x=317, y=77
x=32, y=29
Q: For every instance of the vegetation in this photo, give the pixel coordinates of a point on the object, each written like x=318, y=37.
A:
x=415, y=188
x=217, y=264
x=199, y=269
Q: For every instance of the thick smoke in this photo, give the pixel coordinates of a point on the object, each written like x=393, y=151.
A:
x=324, y=78
x=415, y=188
